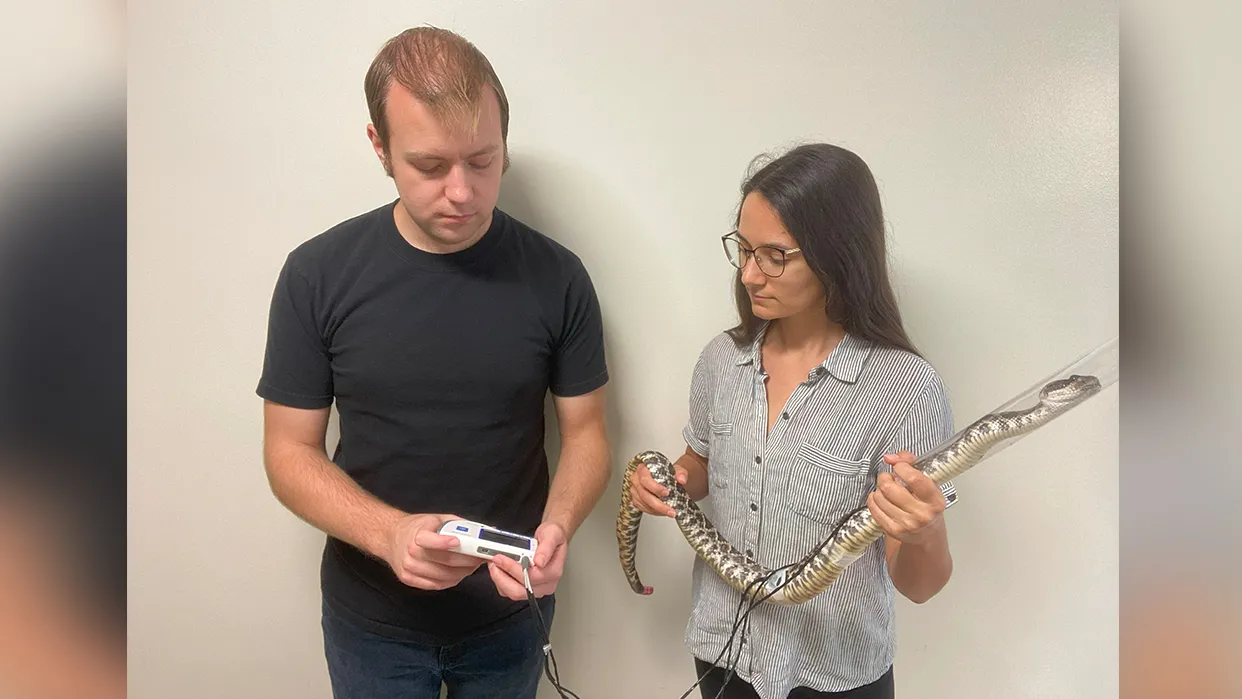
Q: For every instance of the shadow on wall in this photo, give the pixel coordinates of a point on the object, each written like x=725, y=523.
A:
x=520, y=197
x=566, y=204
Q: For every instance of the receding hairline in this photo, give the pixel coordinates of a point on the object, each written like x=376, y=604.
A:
x=443, y=71
x=464, y=119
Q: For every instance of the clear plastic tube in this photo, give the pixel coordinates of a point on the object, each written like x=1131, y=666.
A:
x=1102, y=363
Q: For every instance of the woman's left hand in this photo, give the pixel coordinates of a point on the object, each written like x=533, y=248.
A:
x=912, y=513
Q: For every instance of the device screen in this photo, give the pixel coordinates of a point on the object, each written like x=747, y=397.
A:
x=518, y=541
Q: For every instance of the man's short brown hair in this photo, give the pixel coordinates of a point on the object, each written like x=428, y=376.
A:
x=442, y=70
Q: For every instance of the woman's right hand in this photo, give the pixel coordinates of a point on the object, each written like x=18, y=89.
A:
x=645, y=493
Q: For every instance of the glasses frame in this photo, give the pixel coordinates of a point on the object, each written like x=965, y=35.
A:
x=748, y=252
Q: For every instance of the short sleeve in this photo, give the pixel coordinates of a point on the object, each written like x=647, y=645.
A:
x=297, y=370
x=928, y=423
x=579, y=365
x=698, y=429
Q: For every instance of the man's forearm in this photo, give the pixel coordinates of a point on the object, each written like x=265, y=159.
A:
x=581, y=478
x=919, y=571
x=312, y=487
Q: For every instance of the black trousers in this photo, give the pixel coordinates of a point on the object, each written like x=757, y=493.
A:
x=737, y=689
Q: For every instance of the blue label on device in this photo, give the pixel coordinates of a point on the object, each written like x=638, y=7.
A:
x=462, y=529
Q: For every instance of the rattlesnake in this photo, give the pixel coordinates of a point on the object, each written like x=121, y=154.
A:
x=820, y=568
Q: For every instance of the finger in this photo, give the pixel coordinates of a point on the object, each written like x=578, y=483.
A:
x=407, y=578
x=552, y=568
x=649, y=484
x=430, y=576
x=429, y=567
x=637, y=497
x=653, y=494
x=545, y=551
x=886, y=523
x=919, y=483
x=505, y=584
x=509, y=566
x=899, y=517
x=638, y=494
x=450, y=559
x=543, y=555
x=430, y=540
x=897, y=494
x=418, y=581
x=544, y=580
x=551, y=538
x=655, y=506
x=648, y=503
x=551, y=532
x=899, y=456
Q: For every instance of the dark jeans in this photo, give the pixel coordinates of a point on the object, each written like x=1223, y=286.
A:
x=507, y=662
x=737, y=689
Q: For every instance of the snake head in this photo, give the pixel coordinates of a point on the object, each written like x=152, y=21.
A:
x=1072, y=389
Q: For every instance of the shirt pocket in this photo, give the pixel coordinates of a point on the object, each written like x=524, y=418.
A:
x=823, y=486
x=721, y=439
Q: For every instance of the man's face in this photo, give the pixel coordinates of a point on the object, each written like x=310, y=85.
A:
x=447, y=175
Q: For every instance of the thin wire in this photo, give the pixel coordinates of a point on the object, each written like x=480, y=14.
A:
x=549, y=659
x=740, y=618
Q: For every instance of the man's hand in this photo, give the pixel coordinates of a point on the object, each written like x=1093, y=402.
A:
x=420, y=557
x=912, y=514
x=545, y=572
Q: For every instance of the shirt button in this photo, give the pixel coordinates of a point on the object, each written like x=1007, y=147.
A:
x=754, y=507
x=784, y=416
x=758, y=459
x=750, y=554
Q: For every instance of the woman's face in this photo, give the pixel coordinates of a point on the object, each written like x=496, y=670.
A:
x=796, y=289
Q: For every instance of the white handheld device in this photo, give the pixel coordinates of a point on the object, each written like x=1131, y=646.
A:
x=482, y=541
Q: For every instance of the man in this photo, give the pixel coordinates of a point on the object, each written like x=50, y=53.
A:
x=437, y=323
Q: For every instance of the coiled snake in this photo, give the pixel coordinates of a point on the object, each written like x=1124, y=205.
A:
x=820, y=568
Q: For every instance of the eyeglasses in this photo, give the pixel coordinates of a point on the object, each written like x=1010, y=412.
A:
x=770, y=259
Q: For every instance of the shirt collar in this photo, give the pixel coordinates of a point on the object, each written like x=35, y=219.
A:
x=845, y=362
x=750, y=355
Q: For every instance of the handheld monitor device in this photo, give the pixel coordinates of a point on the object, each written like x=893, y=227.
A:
x=487, y=542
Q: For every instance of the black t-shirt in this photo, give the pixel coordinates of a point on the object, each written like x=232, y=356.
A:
x=439, y=366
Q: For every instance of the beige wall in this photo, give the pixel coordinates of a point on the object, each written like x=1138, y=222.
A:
x=992, y=129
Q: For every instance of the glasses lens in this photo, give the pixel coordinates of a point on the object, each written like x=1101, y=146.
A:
x=771, y=262
x=733, y=250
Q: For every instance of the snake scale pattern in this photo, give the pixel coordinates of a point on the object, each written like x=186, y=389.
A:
x=820, y=568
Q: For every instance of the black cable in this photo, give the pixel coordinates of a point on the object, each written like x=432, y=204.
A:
x=741, y=621
x=549, y=659
x=740, y=618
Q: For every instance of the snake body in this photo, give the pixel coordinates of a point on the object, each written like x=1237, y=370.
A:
x=820, y=568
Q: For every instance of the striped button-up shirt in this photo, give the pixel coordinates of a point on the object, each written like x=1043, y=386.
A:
x=776, y=496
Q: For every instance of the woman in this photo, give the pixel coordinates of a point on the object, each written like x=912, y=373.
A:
x=801, y=413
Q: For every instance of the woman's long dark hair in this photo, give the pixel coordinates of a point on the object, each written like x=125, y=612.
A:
x=827, y=199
